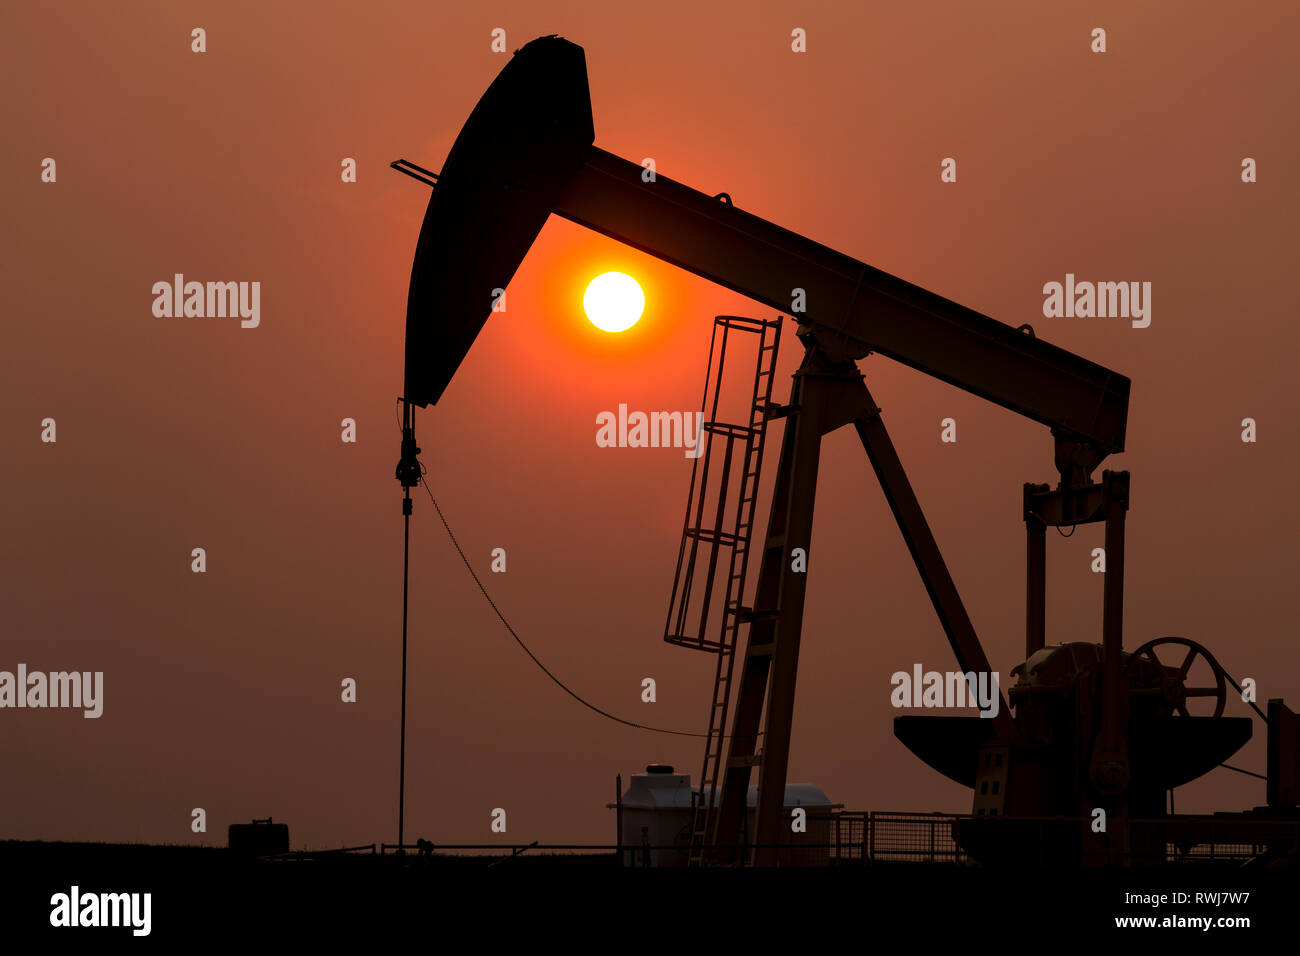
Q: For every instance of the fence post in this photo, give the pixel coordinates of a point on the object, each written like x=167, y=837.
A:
x=618, y=803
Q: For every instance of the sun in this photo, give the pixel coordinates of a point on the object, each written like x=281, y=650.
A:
x=613, y=301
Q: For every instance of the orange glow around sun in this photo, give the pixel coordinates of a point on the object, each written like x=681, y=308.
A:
x=557, y=336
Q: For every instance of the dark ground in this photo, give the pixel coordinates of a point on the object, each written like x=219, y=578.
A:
x=204, y=894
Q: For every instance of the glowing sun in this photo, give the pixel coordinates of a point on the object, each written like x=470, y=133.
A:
x=613, y=301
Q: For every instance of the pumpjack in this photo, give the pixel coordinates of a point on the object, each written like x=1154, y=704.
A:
x=1094, y=727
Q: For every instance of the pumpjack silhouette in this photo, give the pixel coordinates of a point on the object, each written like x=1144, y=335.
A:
x=1089, y=727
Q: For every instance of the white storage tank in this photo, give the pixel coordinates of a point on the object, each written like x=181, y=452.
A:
x=656, y=813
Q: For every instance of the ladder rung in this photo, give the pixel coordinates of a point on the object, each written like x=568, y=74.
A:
x=712, y=536
x=762, y=650
x=753, y=760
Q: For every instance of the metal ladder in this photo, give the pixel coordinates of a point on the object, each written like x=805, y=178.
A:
x=702, y=544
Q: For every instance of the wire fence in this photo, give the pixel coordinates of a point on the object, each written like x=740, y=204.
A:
x=856, y=838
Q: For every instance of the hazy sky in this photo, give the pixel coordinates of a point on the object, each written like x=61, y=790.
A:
x=222, y=689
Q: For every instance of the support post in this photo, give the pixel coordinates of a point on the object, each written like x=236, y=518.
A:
x=1110, y=766
x=824, y=396
x=925, y=553
x=408, y=474
x=1036, y=574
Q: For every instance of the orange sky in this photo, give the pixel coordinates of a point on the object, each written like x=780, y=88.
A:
x=221, y=690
